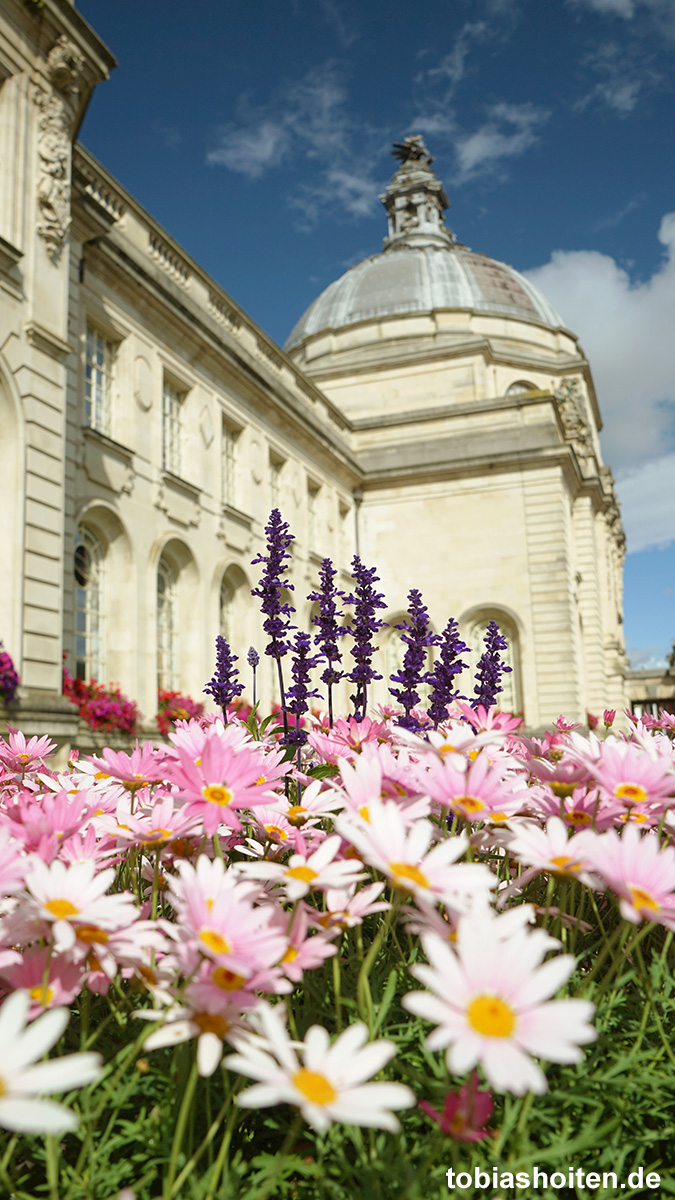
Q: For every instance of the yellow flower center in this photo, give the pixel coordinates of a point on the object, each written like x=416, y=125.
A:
x=290, y=954
x=497, y=817
x=633, y=792
x=44, y=996
x=211, y=1023
x=296, y=814
x=306, y=874
x=261, y=779
x=364, y=813
x=275, y=831
x=638, y=818
x=447, y=748
x=156, y=835
x=407, y=871
x=468, y=804
x=641, y=899
x=217, y=793
x=61, y=909
x=226, y=980
x=215, y=941
x=314, y=1087
x=491, y=1016
x=576, y=817
x=562, y=862
x=560, y=789
x=91, y=934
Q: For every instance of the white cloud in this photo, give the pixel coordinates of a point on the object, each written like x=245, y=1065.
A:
x=622, y=74
x=452, y=67
x=510, y=130
x=307, y=119
x=647, y=496
x=613, y=219
x=657, y=15
x=253, y=150
x=626, y=330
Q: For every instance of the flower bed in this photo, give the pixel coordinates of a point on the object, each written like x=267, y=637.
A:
x=438, y=949
x=377, y=956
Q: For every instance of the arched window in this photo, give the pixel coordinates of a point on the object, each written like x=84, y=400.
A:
x=167, y=626
x=88, y=569
x=508, y=700
x=227, y=591
x=521, y=388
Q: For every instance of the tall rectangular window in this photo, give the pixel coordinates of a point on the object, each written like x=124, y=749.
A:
x=99, y=360
x=172, y=402
x=228, y=465
x=276, y=465
x=312, y=504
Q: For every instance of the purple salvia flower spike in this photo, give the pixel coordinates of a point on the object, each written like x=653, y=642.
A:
x=490, y=668
x=447, y=666
x=417, y=635
x=225, y=685
x=299, y=692
x=277, y=623
x=328, y=629
x=365, y=625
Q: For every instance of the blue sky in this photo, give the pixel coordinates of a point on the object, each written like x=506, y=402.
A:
x=260, y=134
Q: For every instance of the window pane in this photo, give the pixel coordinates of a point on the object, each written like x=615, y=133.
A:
x=89, y=623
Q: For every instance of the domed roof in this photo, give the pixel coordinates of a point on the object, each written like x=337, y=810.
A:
x=422, y=266
x=420, y=279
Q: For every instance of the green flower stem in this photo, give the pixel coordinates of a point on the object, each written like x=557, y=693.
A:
x=52, y=1149
x=337, y=991
x=223, y=1153
x=183, y=1115
x=650, y=995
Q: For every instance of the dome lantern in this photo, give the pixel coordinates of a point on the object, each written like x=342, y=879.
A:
x=415, y=199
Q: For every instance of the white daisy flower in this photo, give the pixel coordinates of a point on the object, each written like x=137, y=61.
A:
x=22, y=1076
x=486, y=1002
x=325, y=1082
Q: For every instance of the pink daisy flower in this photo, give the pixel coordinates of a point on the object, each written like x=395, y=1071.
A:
x=639, y=872
x=477, y=791
x=223, y=780
x=634, y=774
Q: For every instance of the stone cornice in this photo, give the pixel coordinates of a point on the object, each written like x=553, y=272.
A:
x=46, y=341
x=290, y=408
x=180, y=269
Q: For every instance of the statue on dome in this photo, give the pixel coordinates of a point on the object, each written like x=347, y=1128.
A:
x=412, y=150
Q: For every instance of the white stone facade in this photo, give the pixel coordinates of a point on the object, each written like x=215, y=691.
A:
x=148, y=426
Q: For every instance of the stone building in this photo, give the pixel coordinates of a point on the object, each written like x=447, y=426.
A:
x=430, y=411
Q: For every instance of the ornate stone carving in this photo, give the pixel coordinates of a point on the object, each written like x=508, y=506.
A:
x=55, y=123
x=572, y=410
x=64, y=64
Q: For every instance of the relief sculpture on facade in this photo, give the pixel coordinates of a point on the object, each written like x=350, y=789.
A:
x=55, y=123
